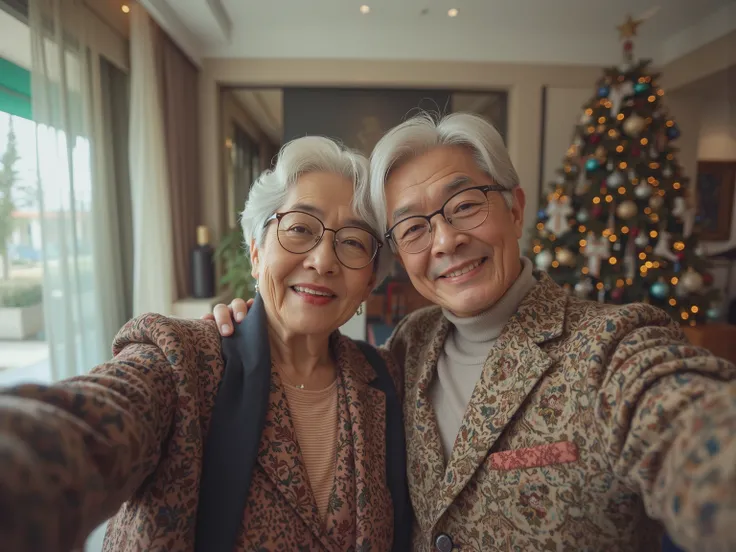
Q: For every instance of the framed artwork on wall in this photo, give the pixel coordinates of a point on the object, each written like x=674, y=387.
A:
x=715, y=194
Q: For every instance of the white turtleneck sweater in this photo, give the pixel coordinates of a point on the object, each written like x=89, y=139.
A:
x=466, y=349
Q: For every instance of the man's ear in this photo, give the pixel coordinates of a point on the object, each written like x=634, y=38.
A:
x=254, y=259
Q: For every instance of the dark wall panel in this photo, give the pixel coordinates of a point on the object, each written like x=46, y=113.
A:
x=356, y=117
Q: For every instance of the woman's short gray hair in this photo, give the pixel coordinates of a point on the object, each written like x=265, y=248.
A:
x=301, y=156
x=426, y=131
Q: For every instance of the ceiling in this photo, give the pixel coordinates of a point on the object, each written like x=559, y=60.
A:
x=522, y=31
x=110, y=12
x=15, y=38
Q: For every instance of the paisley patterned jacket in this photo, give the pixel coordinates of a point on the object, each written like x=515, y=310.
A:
x=593, y=427
x=132, y=433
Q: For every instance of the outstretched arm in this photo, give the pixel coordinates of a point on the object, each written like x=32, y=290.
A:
x=72, y=453
x=667, y=416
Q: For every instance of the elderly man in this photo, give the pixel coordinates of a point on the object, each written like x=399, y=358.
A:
x=536, y=420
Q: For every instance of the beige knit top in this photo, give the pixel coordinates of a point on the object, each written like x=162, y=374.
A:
x=314, y=415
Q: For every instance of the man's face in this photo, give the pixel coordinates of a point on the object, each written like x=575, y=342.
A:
x=468, y=271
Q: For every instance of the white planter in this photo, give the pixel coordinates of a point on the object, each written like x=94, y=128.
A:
x=21, y=322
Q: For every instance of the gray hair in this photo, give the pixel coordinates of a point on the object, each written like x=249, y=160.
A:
x=296, y=158
x=426, y=131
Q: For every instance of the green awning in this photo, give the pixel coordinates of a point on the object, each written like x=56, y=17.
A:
x=15, y=89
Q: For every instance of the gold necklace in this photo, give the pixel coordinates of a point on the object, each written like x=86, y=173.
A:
x=284, y=376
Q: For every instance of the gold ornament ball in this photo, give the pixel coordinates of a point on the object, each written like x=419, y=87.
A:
x=655, y=202
x=565, y=257
x=692, y=281
x=634, y=125
x=627, y=209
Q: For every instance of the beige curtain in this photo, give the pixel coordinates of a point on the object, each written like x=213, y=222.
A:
x=153, y=271
x=179, y=86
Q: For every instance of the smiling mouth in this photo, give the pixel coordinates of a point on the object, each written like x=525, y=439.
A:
x=465, y=269
x=309, y=291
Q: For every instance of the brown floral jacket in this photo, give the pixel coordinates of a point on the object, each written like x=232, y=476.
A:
x=132, y=432
x=588, y=423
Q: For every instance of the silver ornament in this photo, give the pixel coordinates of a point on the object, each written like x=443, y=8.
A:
x=691, y=281
x=543, y=260
x=615, y=180
x=583, y=288
x=643, y=190
x=641, y=241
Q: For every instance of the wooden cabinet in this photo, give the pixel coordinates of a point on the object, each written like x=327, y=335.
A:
x=718, y=338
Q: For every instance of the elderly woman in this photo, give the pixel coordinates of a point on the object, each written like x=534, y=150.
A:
x=285, y=436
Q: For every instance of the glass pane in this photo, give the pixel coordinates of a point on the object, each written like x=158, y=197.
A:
x=24, y=353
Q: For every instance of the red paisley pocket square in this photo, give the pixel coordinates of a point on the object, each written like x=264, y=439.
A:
x=562, y=452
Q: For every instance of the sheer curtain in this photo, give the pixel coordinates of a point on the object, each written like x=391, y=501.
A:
x=153, y=280
x=82, y=297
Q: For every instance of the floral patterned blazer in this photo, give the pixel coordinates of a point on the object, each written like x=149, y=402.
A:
x=592, y=427
x=133, y=433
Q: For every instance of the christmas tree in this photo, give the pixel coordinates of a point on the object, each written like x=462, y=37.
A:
x=618, y=225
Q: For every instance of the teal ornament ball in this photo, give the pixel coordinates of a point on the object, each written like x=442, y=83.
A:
x=641, y=87
x=592, y=164
x=659, y=290
x=713, y=313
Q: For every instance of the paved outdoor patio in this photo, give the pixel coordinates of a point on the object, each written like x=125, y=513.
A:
x=24, y=361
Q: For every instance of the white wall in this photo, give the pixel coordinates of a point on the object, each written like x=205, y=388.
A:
x=717, y=137
x=563, y=108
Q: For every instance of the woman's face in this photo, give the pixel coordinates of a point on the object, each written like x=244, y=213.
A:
x=312, y=292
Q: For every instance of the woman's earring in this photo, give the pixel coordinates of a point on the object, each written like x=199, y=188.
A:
x=360, y=310
x=256, y=288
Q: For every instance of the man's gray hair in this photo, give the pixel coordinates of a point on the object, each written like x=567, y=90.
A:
x=296, y=158
x=426, y=131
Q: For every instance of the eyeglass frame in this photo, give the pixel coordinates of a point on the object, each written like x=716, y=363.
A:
x=279, y=216
x=441, y=211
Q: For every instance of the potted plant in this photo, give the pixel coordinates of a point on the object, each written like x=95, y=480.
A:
x=21, y=309
x=235, y=264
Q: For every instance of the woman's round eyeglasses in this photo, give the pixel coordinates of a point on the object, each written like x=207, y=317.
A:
x=464, y=210
x=299, y=232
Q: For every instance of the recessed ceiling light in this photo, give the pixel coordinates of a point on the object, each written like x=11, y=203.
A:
x=125, y=8
x=365, y=9
x=452, y=12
